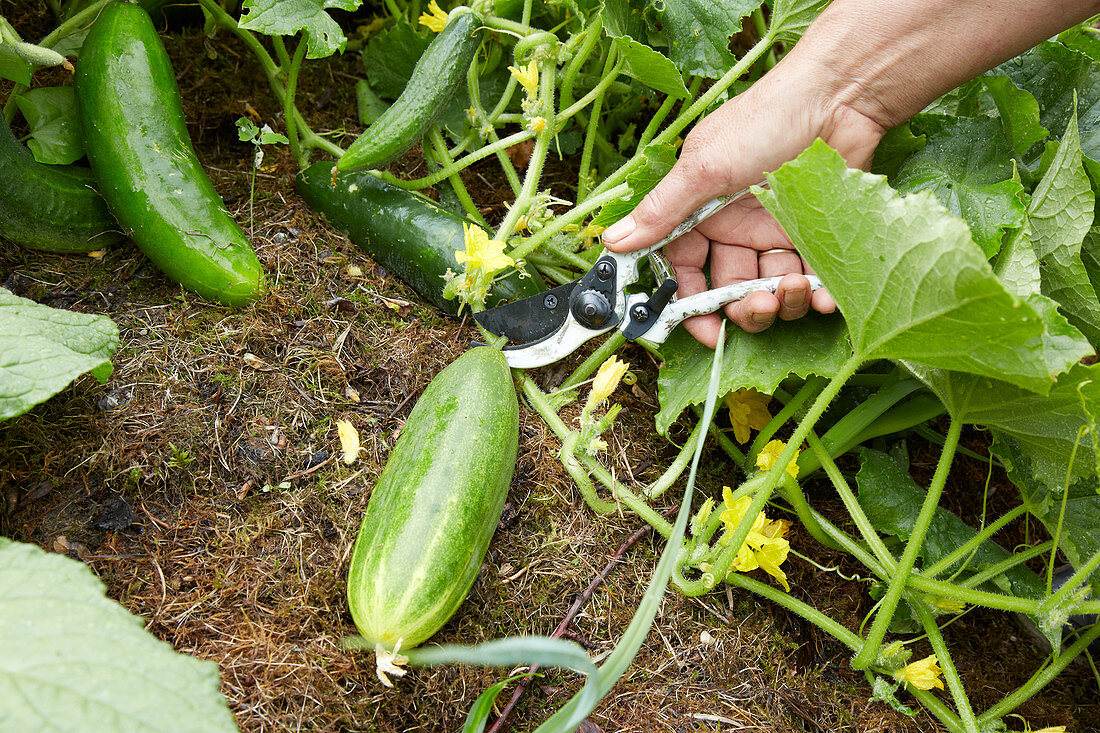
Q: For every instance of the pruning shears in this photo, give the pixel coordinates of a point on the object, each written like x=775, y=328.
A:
x=545, y=328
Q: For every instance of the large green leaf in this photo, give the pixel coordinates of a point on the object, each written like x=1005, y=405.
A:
x=650, y=67
x=812, y=345
x=42, y=349
x=791, y=18
x=287, y=17
x=892, y=501
x=894, y=149
x=51, y=113
x=1053, y=74
x=1061, y=214
x=625, y=18
x=14, y=67
x=71, y=659
x=968, y=166
x=1019, y=113
x=659, y=160
x=390, y=56
x=908, y=278
x=699, y=31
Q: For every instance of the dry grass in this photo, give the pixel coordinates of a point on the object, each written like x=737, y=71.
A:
x=216, y=431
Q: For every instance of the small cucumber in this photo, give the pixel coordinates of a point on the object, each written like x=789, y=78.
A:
x=54, y=208
x=437, y=76
x=434, y=509
x=409, y=235
x=137, y=143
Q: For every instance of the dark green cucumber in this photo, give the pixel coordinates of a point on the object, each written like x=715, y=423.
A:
x=435, y=506
x=437, y=76
x=50, y=207
x=409, y=235
x=139, y=149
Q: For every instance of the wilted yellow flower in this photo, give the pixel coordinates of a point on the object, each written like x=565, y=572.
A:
x=435, y=18
x=767, y=457
x=607, y=379
x=923, y=674
x=528, y=77
x=349, y=441
x=536, y=124
x=488, y=254
x=387, y=663
x=764, y=546
x=97, y=254
x=521, y=224
x=947, y=605
x=748, y=411
x=1051, y=729
x=596, y=445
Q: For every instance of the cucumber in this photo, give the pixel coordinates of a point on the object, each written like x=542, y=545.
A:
x=54, y=208
x=434, y=509
x=137, y=142
x=409, y=235
x=438, y=74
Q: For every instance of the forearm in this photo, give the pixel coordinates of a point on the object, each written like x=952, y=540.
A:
x=887, y=59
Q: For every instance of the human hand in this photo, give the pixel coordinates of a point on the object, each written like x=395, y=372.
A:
x=727, y=151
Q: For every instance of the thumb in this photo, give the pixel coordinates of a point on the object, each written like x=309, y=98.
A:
x=686, y=187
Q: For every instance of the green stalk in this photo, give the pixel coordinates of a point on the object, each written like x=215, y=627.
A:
x=1062, y=511
x=1017, y=558
x=439, y=145
x=973, y=543
x=593, y=362
x=727, y=445
x=678, y=465
x=1039, y=680
x=808, y=390
x=288, y=100
x=589, y=37
x=581, y=477
x=610, y=68
x=772, y=479
x=947, y=665
x=855, y=511
x=575, y=215
x=889, y=602
x=473, y=87
x=527, y=194
x=1079, y=577
x=806, y=611
x=464, y=162
x=792, y=492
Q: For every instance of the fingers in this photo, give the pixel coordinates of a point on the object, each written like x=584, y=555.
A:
x=674, y=198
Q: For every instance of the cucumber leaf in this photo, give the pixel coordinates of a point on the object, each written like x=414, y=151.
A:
x=650, y=67
x=14, y=67
x=659, y=160
x=892, y=500
x=1019, y=113
x=625, y=18
x=1053, y=74
x=390, y=56
x=791, y=18
x=895, y=148
x=906, y=274
x=72, y=659
x=968, y=167
x=42, y=349
x=699, y=32
x=1061, y=214
x=814, y=344
x=56, y=135
x=287, y=17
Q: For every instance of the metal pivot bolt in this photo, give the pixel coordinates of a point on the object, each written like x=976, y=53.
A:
x=604, y=270
x=640, y=313
x=551, y=301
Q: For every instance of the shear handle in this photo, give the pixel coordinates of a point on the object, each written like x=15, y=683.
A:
x=710, y=301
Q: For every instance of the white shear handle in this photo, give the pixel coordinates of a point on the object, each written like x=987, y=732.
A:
x=710, y=301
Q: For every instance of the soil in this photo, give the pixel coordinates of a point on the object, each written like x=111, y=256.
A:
x=201, y=485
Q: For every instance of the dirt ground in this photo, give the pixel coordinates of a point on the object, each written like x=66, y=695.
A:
x=200, y=484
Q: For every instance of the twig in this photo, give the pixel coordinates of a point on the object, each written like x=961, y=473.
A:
x=521, y=686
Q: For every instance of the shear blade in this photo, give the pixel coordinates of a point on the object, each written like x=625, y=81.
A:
x=531, y=319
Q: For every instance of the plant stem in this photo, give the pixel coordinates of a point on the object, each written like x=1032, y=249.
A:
x=811, y=387
x=1062, y=510
x=973, y=543
x=589, y=37
x=473, y=86
x=439, y=145
x=806, y=611
x=947, y=666
x=1040, y=679
x=889, y=602
x=676, y=468
x=575, y=215
x=610, y=70
x=593, y=362
x=1013, y=560
x=792, y=492
x=464, y=162
x=288, y=99
x=581, y=477
x=855, y=511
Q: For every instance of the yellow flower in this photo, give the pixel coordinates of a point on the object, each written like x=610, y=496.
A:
x=435, y=18
x=607, y=379
x=388, y=662
x=923, y=674
x=748, y=411
x=768, y=457
x=591, y=234
x=596, y=445
x=521, y=224
x=488, y=254
x=536, y=124
x=349, y=441
x=764, y=546
x=98, y=254
x=528, y=77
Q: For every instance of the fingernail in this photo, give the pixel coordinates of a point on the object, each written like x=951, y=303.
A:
x=795, y=298
x=763, y=318
x=619, y=230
